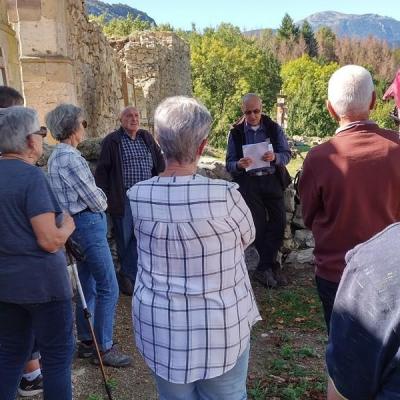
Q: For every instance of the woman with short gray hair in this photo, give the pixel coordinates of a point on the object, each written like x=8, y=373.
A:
x=193, y=302
x=77, y=193
x=35, y=291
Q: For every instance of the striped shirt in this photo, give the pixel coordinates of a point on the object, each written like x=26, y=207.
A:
x=73, y=182
x=193, y=302
x=137, y=161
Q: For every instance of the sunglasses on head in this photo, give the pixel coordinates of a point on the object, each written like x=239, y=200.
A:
x=256, y=111
x=42, y=132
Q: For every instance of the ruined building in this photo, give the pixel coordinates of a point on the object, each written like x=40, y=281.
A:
x=51, y=53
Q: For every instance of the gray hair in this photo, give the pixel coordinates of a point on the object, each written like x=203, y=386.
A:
x=350, y=91
x=181, y=124
x=63, y=121
x=16, y=124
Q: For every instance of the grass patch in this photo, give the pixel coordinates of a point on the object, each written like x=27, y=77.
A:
x=295, y=164
x=293, y=334
x=298, y=307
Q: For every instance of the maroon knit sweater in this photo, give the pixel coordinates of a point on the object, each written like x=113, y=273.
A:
x=350, y=190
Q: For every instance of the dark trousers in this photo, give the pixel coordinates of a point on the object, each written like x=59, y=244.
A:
x=264, y=197
x=50, y=324
x=327, y=293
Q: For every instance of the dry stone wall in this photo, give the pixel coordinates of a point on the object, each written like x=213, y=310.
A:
x=97, y=71
x=157, y=65
x=9, y=57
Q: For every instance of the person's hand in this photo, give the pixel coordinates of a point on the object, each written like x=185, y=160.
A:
x=244, y=163
x=268, y=156
x=68, y=222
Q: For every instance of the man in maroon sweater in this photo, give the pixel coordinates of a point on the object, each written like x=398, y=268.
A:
x=350, y=185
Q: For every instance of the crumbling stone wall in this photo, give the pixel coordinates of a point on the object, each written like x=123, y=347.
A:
x=9, y=57
x=97, y=71
x=157, y=66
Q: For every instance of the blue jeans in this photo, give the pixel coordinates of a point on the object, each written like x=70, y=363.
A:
x=231, y=385
x=126, y=242
x=97, y=276
x=50, y=324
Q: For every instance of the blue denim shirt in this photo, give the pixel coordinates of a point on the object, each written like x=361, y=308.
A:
x=282, y=152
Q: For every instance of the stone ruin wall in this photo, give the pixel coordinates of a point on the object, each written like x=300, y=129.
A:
x=10, y=73
x=157, y=65
x=97, y=71
x=53, y=54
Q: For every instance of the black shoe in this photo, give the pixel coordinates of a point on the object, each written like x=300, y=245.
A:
x=265, y=277
x=125, y=285
x=85, y=350
x=30, y=388
x=279, y=275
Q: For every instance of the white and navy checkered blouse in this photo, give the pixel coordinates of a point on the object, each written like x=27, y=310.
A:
x=193, y=302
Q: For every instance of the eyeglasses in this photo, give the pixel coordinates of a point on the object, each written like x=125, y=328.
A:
x=255, y=112
x=84, y=124
x=42, y=132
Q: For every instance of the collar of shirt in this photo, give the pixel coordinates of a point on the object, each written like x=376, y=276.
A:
x=248, y=129
x=355, y=123
x=68, y=148
x=126, y=134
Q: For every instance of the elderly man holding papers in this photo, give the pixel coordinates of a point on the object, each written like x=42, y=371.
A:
x=261, y=187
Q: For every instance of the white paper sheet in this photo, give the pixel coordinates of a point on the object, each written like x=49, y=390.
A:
x=255, y=152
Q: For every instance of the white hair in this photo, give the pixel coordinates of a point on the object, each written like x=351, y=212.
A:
x=181, y=124
x=16, y=124
x=350, y=91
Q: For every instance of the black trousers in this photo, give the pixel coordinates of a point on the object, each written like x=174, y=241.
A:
x=327, y=293
x=264, y=197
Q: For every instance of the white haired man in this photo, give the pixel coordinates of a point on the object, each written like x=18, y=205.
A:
x=349, y=185
x=128, y=155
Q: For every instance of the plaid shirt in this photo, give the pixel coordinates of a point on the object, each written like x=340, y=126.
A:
x=193, y=302
x=137, y=162
x=72, y=181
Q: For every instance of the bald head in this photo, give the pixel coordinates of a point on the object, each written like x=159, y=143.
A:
x=252, y=108
x=130, y=120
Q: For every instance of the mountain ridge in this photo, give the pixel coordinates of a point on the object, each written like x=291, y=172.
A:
x=357, y=25
x=351, y=25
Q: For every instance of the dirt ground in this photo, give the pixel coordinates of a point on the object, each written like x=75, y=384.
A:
x=287, y=349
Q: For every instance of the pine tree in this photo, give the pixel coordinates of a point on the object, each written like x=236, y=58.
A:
x=308, y=36
x=288, y=29
x=326, y=40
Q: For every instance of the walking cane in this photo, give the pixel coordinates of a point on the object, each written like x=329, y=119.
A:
x=75, y=254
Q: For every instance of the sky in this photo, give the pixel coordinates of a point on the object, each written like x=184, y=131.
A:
x=251, y=14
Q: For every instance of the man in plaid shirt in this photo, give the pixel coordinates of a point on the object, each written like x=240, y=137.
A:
x=128, y=155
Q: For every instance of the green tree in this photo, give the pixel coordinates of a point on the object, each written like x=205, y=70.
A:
x=305, y=83
x=326, y=40
x=288, y=29
x=308, y=35
x=381, y=114
x=164, y=28
x=225, y=66
x=120, y=27
x=382, y=109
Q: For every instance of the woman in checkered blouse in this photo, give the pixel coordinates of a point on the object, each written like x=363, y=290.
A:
x=193, y=303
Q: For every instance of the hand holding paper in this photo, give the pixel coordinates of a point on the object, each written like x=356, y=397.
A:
x=256, y=152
